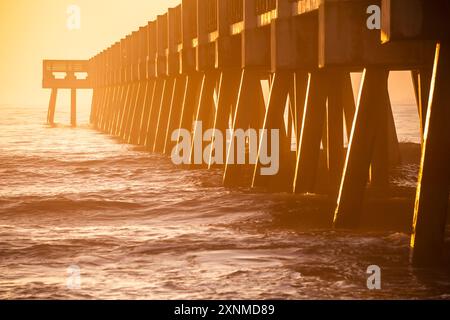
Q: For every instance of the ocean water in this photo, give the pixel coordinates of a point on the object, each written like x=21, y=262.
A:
x=83, y=217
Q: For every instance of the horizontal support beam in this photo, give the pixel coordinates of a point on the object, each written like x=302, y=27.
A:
x=66, y=65
x=415, y=20
x=345, y=39
x=70, y=68
x=66, y=84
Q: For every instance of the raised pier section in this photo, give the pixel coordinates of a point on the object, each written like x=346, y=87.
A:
x=204, y=60
x=69, y=71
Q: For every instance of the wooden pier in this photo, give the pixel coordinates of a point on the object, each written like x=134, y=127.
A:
x=204, y=60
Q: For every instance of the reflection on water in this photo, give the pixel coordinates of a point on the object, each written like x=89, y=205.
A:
x=138, y=227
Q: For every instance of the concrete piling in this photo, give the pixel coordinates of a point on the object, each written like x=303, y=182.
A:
x=431, y=210
x=371, y=110
x=52, y=107
x=73, y=107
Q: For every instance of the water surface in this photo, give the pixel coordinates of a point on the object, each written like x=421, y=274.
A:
x=136, y=226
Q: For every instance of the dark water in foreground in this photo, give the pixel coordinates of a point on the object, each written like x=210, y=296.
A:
x=138, y=227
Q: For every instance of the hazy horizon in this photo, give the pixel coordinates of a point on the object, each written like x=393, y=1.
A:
x=36, y=30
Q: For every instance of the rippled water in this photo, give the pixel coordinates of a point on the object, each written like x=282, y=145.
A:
x=138, y=227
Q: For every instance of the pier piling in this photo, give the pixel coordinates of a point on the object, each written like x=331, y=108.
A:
x=73, y=107
x=52, y=107
x=430, y=214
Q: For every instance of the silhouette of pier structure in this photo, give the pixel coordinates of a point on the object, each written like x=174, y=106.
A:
x=69, y=70
x=205, y=60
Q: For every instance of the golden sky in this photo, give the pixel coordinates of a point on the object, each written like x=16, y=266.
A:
x=31, y=31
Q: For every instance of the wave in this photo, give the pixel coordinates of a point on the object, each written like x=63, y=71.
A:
x=61, y=204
